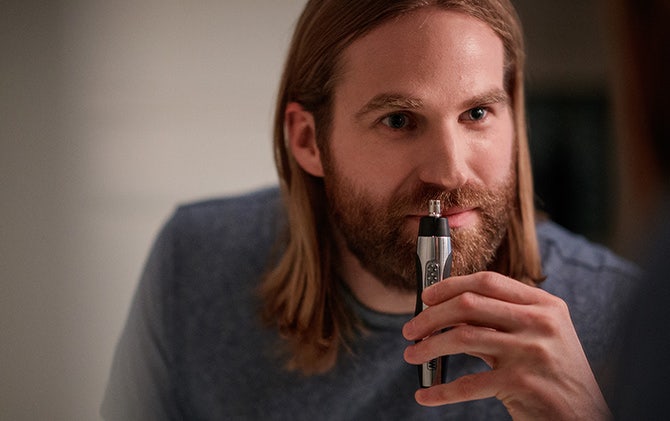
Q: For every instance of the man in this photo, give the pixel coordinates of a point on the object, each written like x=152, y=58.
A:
x=300, y=306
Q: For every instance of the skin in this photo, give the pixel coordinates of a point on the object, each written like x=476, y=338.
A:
x=443, y=71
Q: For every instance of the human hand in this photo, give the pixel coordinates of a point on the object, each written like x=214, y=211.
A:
x=538, y=367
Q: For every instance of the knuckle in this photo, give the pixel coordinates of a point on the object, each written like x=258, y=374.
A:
x=410, y=355
x=555, y=304
x=560, y=306
x=476, y=386
x=544, y=322
x=416, y=354
x=465, y=335
x=519, y=380
x=467, y=301
x=488, y=279
x=467, y=387
x=536, y=351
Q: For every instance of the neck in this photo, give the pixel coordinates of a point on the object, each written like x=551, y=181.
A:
x=369, y=290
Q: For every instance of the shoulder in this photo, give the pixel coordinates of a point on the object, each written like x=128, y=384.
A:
x=217, y=252
x=564, y=253
x=240, y=213
x=595, y=283
x=209, y=225
x=217, y=239
x=200, y=273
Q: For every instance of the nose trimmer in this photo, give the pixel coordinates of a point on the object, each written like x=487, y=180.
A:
x=433, y=263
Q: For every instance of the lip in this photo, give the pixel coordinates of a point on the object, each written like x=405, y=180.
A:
x=457, y=217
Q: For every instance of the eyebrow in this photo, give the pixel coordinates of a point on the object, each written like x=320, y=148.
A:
x=389, y=101
x=394, y=101
x=493, y=96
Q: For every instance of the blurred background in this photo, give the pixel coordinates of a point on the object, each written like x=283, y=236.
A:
x=114, y=112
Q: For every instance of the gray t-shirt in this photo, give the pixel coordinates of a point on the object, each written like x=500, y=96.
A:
x=194, y=348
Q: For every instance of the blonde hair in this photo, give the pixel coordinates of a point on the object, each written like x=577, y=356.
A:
x=301, y=296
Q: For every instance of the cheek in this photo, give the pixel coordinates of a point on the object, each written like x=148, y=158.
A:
x=366, y=162
x=493, y=158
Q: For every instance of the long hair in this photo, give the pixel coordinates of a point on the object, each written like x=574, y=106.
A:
x=301, y=295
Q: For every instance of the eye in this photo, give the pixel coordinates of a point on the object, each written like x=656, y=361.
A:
x=475, y=114
x=397, y=121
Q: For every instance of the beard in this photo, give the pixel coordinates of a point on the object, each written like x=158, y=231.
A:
x=376, y=231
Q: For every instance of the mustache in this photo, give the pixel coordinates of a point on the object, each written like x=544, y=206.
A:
x=468, y=195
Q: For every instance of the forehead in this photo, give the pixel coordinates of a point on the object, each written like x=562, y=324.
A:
x=426, y=48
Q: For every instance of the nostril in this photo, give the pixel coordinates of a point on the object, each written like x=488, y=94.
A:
x=444, y=176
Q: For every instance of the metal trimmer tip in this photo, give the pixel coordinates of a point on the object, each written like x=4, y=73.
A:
x=434, y=208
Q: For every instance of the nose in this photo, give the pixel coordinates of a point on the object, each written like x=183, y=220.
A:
x=445, y=157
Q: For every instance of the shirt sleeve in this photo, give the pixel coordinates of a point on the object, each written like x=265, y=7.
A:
x=140, y=385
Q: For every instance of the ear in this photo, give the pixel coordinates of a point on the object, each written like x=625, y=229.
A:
x=300, y=131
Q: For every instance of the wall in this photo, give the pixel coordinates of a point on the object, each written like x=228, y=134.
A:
x=111, y=114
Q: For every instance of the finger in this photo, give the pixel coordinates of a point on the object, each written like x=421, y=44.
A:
x=467, y=388
x=468, y=308
x=478, y=342
x=488, y=284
